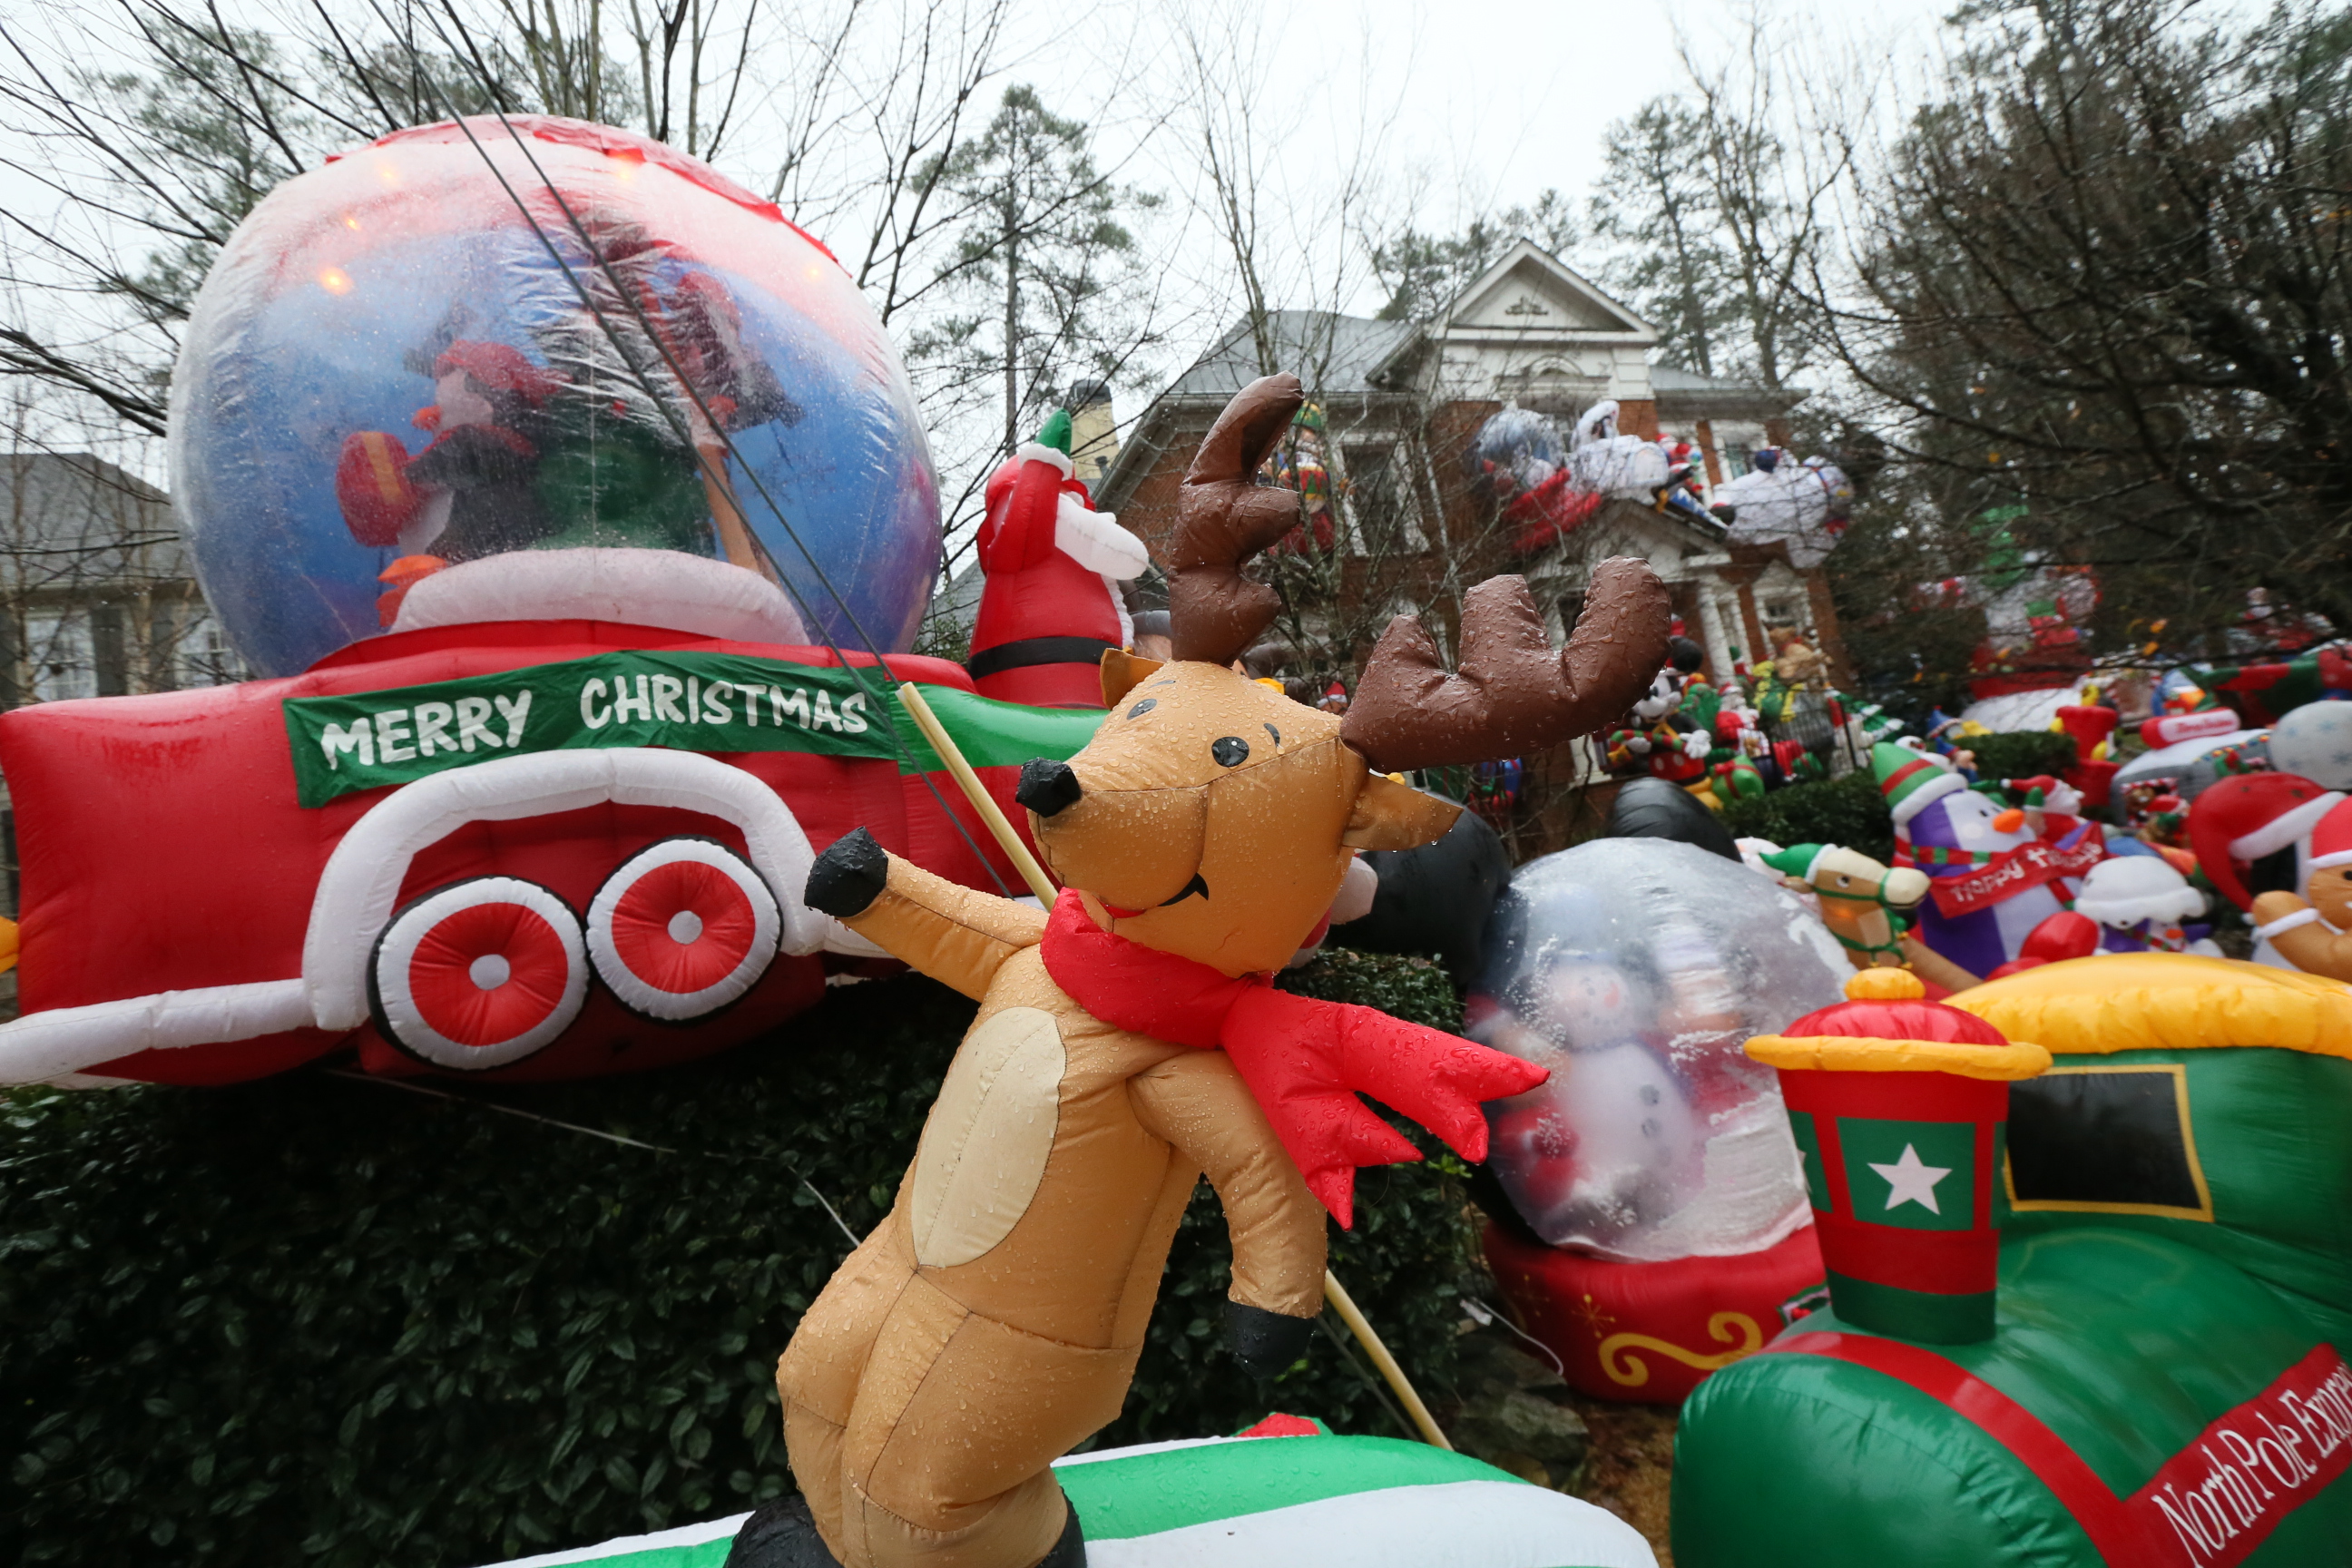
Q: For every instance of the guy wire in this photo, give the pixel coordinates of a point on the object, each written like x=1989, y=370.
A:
x=881, y=705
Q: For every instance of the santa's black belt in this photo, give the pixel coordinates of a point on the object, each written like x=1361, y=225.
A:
x=1038, y=650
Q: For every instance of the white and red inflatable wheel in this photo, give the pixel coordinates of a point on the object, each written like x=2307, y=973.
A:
x=682, y=929
x=479, y=974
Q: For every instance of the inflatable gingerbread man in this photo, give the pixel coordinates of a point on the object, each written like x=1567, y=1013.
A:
x=1128, y=1041
x=2313, y=932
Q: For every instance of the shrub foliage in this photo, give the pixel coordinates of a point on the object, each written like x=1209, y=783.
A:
x=325, y=1321
x=1848, y=811
x=2023, y=754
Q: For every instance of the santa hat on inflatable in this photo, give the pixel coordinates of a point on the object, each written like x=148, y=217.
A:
x=2331, y=840
x=2130, y=889
x=498, y=368
x=2240, y=820
x=1911, y=780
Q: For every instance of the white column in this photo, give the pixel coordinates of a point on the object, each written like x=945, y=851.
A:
x=1710, y=625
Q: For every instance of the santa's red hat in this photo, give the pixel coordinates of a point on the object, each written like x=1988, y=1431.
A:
x=500, y=368
x=2243, y=818
x=2331, y=841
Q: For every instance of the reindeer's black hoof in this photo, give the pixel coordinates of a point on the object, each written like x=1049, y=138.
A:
x=848, y=877
x=781, y=1534
x=1070, y=1551
x=1264, y=1342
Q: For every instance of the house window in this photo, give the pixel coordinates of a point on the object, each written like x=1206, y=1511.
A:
x=57, y=645
x=1383, y=507
x=206, y=658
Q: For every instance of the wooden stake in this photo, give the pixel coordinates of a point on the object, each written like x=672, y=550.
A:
x=1039, y=883
x=982, y=801
x=1351, y=1315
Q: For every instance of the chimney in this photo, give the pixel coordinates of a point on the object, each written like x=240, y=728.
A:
x=1094, y=435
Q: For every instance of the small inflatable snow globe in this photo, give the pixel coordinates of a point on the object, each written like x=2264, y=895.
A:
x=401, y=366
x=1635, y=969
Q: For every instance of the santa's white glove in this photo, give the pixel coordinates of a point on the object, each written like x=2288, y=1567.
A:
x=1096, y=542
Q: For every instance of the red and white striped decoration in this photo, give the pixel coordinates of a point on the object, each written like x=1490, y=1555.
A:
x=683, y=928
x=479, y=974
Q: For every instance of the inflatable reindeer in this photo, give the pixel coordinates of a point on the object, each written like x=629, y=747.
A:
x=1127, y=1042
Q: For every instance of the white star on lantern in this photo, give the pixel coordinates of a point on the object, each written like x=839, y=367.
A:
x=1911, y=1181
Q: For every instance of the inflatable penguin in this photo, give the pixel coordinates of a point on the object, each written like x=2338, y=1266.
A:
x=1987, y=893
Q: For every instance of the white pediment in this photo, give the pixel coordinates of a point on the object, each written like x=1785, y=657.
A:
x=1528, y=290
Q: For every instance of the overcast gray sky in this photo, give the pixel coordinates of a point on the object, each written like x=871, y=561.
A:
x=1453, y=109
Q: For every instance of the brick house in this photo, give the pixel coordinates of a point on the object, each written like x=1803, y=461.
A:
x=1401, y=403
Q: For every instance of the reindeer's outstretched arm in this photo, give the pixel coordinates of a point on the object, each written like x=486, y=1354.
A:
x=1198, y=1103
x=953, y=935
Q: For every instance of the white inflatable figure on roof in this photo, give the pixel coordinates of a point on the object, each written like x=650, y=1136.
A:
x=1602, y=462
x=2142, y=904
x=1777, y=501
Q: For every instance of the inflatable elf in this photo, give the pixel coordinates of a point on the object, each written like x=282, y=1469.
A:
x=1051, y=607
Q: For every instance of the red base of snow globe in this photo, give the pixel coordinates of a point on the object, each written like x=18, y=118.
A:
x=1649, y=1332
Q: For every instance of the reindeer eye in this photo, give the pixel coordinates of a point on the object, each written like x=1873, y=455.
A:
x=1276, y=733
x=1140, y=709
x=1231, y=751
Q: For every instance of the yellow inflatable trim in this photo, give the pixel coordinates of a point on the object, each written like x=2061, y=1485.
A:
x=1864, y=1053
x=2165, y=1001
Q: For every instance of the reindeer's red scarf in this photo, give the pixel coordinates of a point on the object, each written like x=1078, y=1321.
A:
x=1303, y=1059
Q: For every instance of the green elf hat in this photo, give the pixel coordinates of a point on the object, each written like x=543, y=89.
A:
x=1797, y=860
x=1910, y=780
x=1056, y=432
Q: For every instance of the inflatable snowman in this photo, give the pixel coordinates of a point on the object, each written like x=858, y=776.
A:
x=2140, y=903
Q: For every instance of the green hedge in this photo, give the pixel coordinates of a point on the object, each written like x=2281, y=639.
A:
x=2022, y=753
x=320, y=1320
x=1848, y=811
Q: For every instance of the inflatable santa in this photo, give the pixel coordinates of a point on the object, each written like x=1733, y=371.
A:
x=1051, y=607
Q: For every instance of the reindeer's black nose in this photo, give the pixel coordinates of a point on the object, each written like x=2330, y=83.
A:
x=1047, y=786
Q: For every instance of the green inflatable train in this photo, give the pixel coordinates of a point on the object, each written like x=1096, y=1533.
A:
x=2081, y=1313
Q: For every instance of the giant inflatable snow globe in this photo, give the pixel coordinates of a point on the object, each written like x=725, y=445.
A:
x=460, y=347
x=1656, y=1226
x=1636, y=969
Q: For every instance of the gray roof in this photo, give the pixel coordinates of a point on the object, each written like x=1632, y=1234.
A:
x=958, y=600
x=1673, y=385
x=1329, y=353
x=71, y=520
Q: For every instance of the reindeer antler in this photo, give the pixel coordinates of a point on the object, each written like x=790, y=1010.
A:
x=1222, y=518
x=1514, y=695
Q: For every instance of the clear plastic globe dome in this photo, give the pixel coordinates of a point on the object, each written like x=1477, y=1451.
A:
x=400, y=365
x=1636, y=969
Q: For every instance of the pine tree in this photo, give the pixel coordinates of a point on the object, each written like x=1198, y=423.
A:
x=1044, y=243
